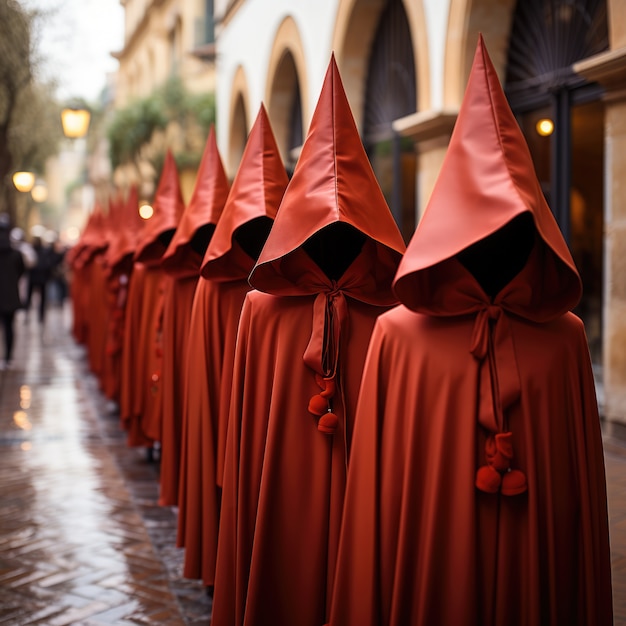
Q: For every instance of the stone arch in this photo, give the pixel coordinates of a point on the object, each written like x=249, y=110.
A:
x=355, y=28
x=466, y=20
x=286, y=92
x=239, y=121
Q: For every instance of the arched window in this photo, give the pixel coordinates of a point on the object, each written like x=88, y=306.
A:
x=562, y=117
x=391, y=94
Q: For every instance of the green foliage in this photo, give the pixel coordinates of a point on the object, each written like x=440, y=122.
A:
x=202, y=107
x=133, y=127
x=30, y=127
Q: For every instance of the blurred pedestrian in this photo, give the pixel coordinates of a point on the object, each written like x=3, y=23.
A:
x=38, y=276
x=11, y=268
x=18, y=241
x=58, y=278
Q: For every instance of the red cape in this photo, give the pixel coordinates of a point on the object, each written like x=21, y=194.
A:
x=138, y=345
x=182, y=261
x=145, y=307
x=255, y=195
x=303, y=333
x=476, y=492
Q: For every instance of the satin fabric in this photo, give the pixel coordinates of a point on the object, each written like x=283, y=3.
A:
x=127, y=233
x=124, y=236
x=141, y=400
x=98, y=317
x=211, y=346
x=301, y=333
x=178, y=299
x=138, y=340
x=181, y=262
x=255, y=194
x=80, y=259
x=423, y=541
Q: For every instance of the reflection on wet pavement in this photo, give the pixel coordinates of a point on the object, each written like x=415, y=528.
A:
x=82, y=540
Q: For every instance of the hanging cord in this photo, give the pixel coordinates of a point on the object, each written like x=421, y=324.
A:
x=492, y=346
x=330, y=318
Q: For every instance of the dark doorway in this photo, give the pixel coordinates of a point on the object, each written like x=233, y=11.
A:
x=547, y=38
x=391, y=94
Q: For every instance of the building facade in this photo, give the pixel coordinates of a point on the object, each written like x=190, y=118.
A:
x=163, y=38
x=405, y=63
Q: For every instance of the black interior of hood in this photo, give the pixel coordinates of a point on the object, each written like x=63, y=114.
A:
x=251, y=236
x=166, y=236
x=201, y=239
x=495, y=260
x=334, y=248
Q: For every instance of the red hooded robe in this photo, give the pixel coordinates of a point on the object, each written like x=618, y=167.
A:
x=250, y=209
x=181, y=262
x=94, y=291
x=476, y=491
x=140, y=410
x=118, y=261
x=323, y=277
x=80, y=259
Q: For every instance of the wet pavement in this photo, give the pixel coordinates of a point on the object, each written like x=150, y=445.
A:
x=82, y=539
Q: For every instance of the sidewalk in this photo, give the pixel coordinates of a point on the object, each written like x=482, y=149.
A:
x=82, y=540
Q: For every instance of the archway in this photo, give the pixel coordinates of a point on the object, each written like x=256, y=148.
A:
x=547, y=38
x=284, y=92
x=375, y=52
x=238, y=131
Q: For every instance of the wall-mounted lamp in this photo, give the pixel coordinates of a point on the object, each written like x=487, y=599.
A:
x=24, y=181
x=545, y=127
x=146, y=211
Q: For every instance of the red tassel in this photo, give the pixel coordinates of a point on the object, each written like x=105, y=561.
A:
x=329, y=390
x=328, y=423
x=488, y=479
x=318, y=405
x=514, y=483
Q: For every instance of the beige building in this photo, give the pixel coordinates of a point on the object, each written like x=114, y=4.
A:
x=164, y=39
x=404, y=64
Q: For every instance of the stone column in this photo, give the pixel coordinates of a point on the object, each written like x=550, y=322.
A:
x=431, y=131
x=609, y=69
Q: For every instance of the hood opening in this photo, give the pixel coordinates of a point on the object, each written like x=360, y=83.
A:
x=334, y=248
x=201, y=239
x=251, y=236
x=495, y=260
x=166, y=236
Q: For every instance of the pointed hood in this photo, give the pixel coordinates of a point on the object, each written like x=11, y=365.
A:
x=488, y=249
x=486, y=181
x=333, y=183
x=128, y=231
x=95, y=234
x=168, y=208
x=184, y=254
x=334, y=236
x=250, y=208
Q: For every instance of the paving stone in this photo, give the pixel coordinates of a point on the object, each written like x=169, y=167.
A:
x=78, y=508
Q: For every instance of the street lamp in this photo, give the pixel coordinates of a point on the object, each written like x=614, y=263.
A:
x=75, y=121
x=39, y=192
x=24, y=181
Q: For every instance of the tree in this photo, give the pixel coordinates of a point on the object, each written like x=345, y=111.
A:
x=133, y=128
x=29, y=117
